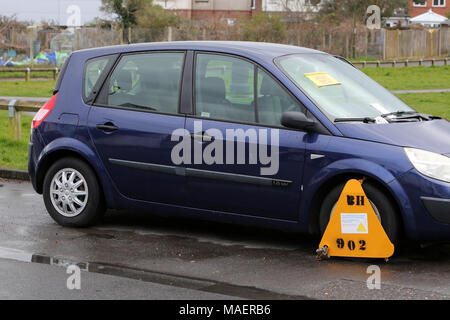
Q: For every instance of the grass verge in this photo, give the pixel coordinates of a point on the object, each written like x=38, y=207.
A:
x=27, y=89
x=14, y=154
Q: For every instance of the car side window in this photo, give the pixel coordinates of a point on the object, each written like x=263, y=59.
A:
x=224, y=88
x=94, y=69
x=149, y=81
x=273, y=100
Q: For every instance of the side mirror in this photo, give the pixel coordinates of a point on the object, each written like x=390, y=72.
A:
x=297, y=120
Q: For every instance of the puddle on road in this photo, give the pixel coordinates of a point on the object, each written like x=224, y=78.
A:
x=192, y=283
x=17, y=255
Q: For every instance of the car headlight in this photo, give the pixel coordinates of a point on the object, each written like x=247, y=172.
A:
x=430, y=164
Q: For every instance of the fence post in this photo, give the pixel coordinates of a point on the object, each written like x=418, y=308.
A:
x=55, y=72
x=446, y=61
x=169, y=34
x=27, y=74
x=11, y=116
x=17, y=125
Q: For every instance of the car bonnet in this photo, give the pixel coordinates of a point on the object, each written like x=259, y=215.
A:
x=432, y=135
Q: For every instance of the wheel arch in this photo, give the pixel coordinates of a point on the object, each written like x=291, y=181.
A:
x=63, y=149
x=328, y=184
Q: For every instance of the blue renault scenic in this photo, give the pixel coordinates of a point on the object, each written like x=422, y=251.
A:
x=253, y=133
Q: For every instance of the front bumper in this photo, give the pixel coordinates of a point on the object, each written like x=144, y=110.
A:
x=438, y=208
x=425, y=204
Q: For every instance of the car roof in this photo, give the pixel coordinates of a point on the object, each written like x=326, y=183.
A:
x=261, y=50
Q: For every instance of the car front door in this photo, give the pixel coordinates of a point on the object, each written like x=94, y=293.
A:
x=243, y=161
x=131, y=126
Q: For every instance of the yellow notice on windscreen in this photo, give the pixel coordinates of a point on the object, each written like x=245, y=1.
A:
x=322, y=79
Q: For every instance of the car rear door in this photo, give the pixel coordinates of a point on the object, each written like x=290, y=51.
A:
x=132, y=122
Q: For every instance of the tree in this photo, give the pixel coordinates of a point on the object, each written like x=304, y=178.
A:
x=349, y=8
x=264, y=27
x=338, y=10
x=126, y=12
x=156, y=17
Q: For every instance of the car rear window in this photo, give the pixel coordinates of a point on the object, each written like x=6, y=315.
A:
x=93, y=71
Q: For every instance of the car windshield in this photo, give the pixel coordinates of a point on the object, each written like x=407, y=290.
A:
x=338, y=88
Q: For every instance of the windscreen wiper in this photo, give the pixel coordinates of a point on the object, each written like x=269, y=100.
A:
x=364, y=120
x=414, y=116
x=399, y=113
x=408, y=115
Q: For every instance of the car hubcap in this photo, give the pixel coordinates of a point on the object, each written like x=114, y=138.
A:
x=69, y=192
x=375, y=209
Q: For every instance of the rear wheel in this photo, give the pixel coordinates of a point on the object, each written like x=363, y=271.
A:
x=382, y=205
x=72, y=194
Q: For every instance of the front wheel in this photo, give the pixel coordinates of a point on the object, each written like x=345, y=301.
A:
x=72, y=194
x=382, y=205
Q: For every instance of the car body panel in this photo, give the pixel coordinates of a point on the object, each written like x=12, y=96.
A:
x=433, y=136
x=145, y=140
x=242, y=195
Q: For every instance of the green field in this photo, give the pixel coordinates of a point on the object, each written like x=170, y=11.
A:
x=43, y=74
x=437, y=104
x=27, y=89
x=13, y=154
x=411, y=78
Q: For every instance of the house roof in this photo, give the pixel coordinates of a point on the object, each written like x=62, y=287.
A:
x=429, y=17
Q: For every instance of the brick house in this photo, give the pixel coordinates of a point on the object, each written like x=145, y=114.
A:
x=233, y=9
x=211, y=9
x=441, y=7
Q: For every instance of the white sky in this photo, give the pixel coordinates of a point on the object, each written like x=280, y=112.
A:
x=38, y=10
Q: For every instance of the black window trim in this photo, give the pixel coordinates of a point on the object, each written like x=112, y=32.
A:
x=99, y=96
x=62, y=72
x=257, y=66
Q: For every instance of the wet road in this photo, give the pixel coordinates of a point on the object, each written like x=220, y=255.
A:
x=181, y=258
x=21, y=280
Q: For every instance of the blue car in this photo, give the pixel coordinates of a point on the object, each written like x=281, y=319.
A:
x=252, y=133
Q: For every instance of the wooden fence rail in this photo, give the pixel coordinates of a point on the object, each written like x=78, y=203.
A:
x=405, y=63
x=27, y=71
x=15, y=109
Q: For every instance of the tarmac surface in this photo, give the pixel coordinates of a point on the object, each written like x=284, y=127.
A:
x=140, y=255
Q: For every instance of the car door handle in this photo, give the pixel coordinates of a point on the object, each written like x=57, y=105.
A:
x=108, y=127
x=202, y=136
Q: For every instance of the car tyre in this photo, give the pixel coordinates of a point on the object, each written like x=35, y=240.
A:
x=382, y=204
x=72, y=194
